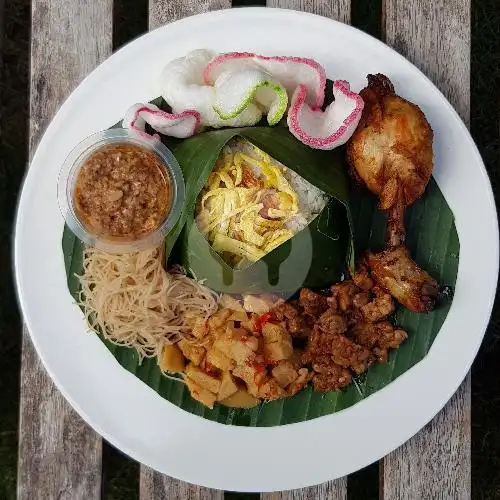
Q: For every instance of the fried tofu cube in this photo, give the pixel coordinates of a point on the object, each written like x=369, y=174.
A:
x=241, y=399
x=252, y=342
x=204, y=396
x=254, y=304
x=194, y=353
x=200, y=328
x=241, y=352
x=277, y=351
x=275, y=333
x=172, y=359
x=203, y=379
x=240, y=316
x=219, y=360
x=227, y=387
x=219, y=319
x=252, y=375
x=233, y=332
x=228, y=302
x=252, y=324
x=304, y=376
x=270, y=390
x=284, y=373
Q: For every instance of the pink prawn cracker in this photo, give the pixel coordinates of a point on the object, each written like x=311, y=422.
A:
x=290, y=71
x=325, y=129
x=180, y=125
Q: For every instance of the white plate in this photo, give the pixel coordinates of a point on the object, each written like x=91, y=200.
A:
x=131, y=415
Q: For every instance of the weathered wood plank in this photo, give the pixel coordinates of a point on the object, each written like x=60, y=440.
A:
x=165, y=11
x=155, y=485
x=434, y=35
x=152, y=483
x=59, y=455
x=436, y=462
x=332, y=490
x=341, y=11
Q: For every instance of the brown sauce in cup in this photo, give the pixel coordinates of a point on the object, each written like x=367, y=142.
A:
x=122, y=192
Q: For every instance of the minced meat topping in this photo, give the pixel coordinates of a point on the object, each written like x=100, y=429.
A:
x=122, y=191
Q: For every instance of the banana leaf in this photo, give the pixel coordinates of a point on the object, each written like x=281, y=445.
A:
x=433, y=242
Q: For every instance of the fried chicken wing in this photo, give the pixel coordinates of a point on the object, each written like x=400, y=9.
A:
x=396, y=272
x=391, y=152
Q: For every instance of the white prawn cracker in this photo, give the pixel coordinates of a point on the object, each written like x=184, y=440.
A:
x=236, y=90
x=183, y=89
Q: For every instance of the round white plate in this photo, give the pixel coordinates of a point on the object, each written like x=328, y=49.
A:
x=131, y=415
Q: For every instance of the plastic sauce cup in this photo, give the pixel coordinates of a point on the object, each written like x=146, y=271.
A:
x=69, y=174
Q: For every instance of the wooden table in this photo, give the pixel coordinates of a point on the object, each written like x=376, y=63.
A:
x=59, y=455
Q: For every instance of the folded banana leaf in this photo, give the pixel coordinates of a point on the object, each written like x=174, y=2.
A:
x=431, y=237
x=288, y=267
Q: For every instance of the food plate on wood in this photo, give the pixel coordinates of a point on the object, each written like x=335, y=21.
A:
x=256, y=244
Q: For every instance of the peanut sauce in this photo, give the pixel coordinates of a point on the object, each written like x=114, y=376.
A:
x=122, y=192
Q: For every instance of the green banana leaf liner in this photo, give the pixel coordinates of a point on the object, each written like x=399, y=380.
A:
x=347, y=224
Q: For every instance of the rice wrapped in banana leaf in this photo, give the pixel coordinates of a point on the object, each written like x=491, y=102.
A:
x=250, y=204
x=264, y=213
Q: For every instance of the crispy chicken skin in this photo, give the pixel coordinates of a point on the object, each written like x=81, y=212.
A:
x=391, y=151
x=342, y=295
x=396, y=272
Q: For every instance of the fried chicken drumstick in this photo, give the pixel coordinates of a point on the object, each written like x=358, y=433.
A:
x=391, y=153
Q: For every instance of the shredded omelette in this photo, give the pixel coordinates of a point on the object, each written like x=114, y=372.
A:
x=246, y=205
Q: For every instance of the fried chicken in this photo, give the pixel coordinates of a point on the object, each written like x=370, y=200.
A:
x=361, y=277
x=396, y=272
x=391, y=152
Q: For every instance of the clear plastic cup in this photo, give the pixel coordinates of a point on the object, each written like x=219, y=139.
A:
x=69, y=174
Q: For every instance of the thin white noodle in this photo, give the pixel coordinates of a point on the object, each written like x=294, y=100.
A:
x=132, y=301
